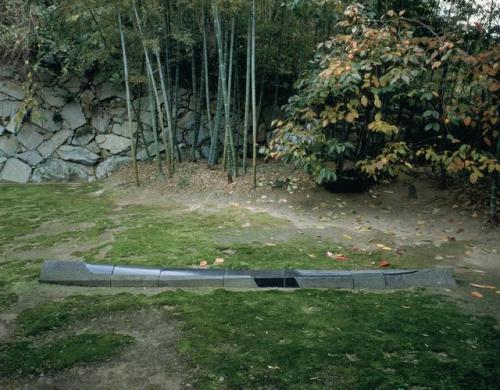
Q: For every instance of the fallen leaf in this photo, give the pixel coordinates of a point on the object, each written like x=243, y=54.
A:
x=438, y=257
x=311, y=255
x=487, y=286
x=219, y=261
x=497, y=292
x=450, y=238
x=476, y=294
x=384, y=247
x=347, y=236
x=330, y=254
x=270, y=244
x=203, y=263
x=384, y=263
x=340, y=257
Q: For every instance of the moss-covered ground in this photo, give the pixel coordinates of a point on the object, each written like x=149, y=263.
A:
x=252, y=339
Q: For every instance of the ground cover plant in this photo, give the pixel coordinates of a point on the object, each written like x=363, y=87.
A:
x=286, y=340
x=297, y=339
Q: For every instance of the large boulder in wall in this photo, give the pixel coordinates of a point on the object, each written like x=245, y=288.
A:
x=15, y=171
x=55, y=170
x=31, y=157
x=73, y=116
x=115, y=144
x=48, y=147
x=77, y=154
x=9, y=145
x=45, y=120
x=29, y=137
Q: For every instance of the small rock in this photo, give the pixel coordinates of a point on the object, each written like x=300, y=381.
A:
x=12, y=89
x=54, y=96
x=9, y=107
x=101, y=121
x=73, y=116
x=111, y=164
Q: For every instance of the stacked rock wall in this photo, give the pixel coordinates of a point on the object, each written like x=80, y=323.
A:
x=64, y=130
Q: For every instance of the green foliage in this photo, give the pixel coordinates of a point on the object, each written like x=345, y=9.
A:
x=396, y=88
x=22, y=358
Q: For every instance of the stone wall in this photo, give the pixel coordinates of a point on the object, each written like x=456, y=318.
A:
x=74, y=129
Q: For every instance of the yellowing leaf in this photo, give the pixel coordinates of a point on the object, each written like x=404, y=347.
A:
x=347, y=236
x=364, y=101
x=436, y=64
x=486, y=286
x=377, y=102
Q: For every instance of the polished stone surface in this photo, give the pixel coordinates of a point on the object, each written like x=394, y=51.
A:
x=130, y=276
x=79, y=273
x=191, y=278
x=76, y=273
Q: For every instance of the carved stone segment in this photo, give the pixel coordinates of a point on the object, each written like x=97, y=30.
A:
x=79, y=273
x=433, y=277
x=76, y=273
x=191, y=278
x=130, y=276
x=323, y=279
x=253, y=279
x=373, y=280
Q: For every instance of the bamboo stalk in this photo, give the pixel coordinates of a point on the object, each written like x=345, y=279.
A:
x=222, y=65
x=153, y=84
x=247, y=97
x=155, y=131
x=254, y=102
x=168, y=113
x=127, y=90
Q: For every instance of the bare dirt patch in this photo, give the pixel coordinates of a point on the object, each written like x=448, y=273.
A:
x=151, y=362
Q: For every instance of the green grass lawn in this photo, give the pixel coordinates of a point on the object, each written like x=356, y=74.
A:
x=253, y=339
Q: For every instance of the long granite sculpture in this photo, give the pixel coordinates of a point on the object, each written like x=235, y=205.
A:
x=83, y=274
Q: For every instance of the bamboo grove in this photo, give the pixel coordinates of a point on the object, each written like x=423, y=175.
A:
x=235, y=57
x=379, y=86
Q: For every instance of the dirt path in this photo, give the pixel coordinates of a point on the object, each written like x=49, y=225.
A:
x=434, y=229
